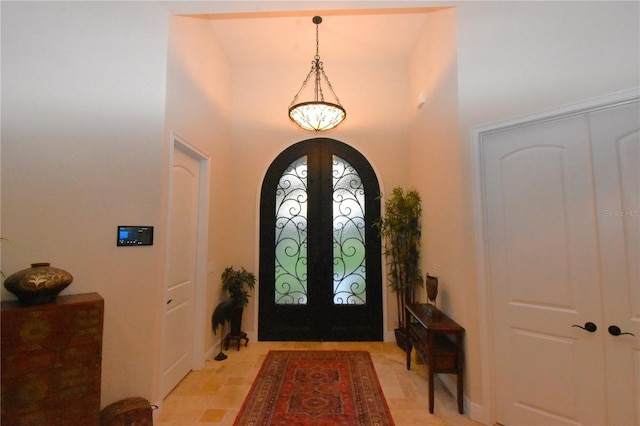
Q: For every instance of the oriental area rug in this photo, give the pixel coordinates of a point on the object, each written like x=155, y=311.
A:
x=300, y=388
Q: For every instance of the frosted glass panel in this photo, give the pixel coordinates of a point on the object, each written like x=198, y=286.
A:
x=349, y=266
x=291, y=235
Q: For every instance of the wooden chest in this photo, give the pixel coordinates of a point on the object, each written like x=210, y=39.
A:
x=51, y=361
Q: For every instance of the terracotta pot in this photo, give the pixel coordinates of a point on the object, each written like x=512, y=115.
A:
x=39, y=284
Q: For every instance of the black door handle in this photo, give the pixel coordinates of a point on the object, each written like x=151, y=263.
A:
x=589, y=326
x=614, y=330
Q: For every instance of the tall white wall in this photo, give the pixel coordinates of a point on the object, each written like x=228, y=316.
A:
x=436, y=168
x=516, y=58
x=83, y=106
x=199, y=99
x=519, y=57
x=512, y=58
x=85, y=90
x=376, y=126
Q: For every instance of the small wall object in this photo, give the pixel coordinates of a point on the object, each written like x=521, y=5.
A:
x=39, y=284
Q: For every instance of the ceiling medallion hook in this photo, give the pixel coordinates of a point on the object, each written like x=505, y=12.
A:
x=317, y=115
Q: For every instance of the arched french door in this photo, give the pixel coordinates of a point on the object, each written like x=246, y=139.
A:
x=320, y=254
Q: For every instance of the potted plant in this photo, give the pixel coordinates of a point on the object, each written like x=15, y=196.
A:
x=401, y=229
x=235, y=284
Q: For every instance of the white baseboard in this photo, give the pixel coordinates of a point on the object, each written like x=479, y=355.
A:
x=215, y=349
x=211, y=353
x=389, y=336
x=476, y=412
x=473, y=410
x=156, y=412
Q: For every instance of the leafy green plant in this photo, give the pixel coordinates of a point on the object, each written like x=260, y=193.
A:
x=401, y=229
x=236, y=284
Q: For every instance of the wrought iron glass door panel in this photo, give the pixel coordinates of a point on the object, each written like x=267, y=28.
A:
x=320, y=264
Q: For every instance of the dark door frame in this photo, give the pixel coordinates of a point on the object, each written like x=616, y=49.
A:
x=321, y=322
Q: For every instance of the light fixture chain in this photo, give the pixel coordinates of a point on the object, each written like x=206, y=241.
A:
x=330, y=86
x=304, y=84
x=318, y=79
x=317, y=115
x=317, y=41
x=318, y=66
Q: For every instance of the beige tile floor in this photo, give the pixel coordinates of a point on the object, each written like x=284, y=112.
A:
x=214, y=395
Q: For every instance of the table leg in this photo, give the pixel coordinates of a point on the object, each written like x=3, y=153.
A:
x=460, y=397
x=430, y=361
x=460, y=374
x=430, y=389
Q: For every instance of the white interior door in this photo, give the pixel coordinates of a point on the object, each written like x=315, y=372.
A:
x=178, y=335
x=543, y=258
x=616, y=153
x=561, y=219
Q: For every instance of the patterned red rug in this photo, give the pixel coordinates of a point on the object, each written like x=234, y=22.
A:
x=316, y=388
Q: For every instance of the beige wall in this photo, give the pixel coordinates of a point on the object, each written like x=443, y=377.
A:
x=85, y=90
x=83, y=106
x=261, y=132
x=490, y=61
x=436, y=165
x=199, y=98
x=516, y=58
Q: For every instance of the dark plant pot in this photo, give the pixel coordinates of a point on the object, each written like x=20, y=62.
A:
x=235, y=321
x=401, y=338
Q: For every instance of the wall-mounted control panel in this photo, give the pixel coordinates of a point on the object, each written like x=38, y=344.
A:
x=135, y=235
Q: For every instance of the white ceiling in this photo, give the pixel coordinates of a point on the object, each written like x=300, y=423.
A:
x=345, y=35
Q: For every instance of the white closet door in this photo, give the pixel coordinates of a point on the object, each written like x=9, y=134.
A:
x=615, y=137
x=544, y=274
x=561, y=202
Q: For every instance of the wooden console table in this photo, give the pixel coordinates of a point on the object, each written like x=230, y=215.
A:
x=439, y=343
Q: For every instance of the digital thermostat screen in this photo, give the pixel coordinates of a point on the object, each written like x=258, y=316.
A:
x=135, y=235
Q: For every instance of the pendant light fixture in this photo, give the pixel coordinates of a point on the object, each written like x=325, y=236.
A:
x=317, y=115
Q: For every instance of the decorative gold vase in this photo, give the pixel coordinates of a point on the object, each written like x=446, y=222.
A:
x=39, y=284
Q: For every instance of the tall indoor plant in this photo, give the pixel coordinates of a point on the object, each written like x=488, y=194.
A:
x=236, y=285
x=401, y=229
